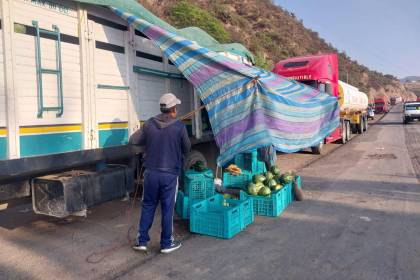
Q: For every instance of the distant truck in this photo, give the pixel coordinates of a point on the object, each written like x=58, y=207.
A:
x=321, y=72
x=393, y=101
x=381, y=105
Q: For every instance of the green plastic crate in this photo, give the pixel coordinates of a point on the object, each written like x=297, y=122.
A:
x=240, y=181
x=271, y=206
x=220, y=217
x=182, y=206
x=199, y=185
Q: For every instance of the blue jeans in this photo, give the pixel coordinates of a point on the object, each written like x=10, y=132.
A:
x=158, y=187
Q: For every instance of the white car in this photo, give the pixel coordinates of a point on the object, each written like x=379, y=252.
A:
x=371, y=113
x=411, y=112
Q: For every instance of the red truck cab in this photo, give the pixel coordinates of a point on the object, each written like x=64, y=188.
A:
x=381, y=106
x=318, y=71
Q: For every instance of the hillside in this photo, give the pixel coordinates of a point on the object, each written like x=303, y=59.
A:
x=271, y=33
x=410, y=79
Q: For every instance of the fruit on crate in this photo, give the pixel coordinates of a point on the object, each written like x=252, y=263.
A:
x=259, y=178
x=268, y=175
x=233, y=170
x=227, y=196
x=277, y=187
x=271, y=183
x=253, y=189
x=275, y=170
x=264, y=191
x=287, y=178
x=259, y=185
x=198, y=166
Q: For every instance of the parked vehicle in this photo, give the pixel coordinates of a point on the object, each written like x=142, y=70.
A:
x=321, y=72
x=381, y=105
x=411, y=112
x=78, y=81
x=371, y=113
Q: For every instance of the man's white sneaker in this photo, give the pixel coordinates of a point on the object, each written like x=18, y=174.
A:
x=140, y=248
x=174, y=246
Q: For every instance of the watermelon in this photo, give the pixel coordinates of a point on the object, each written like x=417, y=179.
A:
x=253, y=189
x=264, y=191
x=275, y=170
x=259, y=178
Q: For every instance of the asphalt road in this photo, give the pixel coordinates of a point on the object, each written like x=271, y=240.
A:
x=360, y=220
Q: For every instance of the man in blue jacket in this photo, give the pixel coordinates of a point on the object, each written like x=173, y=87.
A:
x=166, y=141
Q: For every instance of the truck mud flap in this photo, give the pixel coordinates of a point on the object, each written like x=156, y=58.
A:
x=73, y=192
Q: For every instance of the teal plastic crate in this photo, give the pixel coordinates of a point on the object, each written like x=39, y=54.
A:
x=182, y=205
x=259, y=167
x=199, y=185
x=240, y=181
x=288, y=197
x=270, y=206
x=220, y=217
x=299, y=185
x=247, y=212
x=249, y=162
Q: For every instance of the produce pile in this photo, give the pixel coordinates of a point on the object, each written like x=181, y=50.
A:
x=265, y=183
x=199, y=166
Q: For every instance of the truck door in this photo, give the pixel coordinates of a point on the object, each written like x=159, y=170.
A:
x=109, y=114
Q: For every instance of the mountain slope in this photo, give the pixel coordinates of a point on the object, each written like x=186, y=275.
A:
x=272, y=34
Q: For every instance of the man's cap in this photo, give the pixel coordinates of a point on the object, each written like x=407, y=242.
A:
x=168, y=100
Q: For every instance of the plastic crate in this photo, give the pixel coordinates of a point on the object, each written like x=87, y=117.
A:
x=240, y=181
x=287, y=198
x=299, y=185
x=247, y=212
x=199, y=185
x=182, y=206
x=271, y=206
x=259, y=168
x=220, y=217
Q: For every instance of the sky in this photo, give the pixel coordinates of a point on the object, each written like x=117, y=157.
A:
x=383, y=35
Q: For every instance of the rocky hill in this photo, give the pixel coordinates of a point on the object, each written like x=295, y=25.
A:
x=410, y=79
x=272, y=34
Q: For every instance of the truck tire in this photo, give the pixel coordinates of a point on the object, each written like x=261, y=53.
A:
x=344, y=133
x=366, y=123
x=317, y=150
x=360, y=126
x=192, y=157
x=348, y=128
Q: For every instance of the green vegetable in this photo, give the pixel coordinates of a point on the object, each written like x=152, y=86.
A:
x=259, y=185
x=259, y=178
x=287, y=178
x=272, y=183
x=252, y=189
x=198, y=166
x=227, y=196
x=275, y=170
x=264, y=191
x=269, y=175
x=277, y=187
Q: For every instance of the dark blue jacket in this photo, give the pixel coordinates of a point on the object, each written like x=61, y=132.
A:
x=166, y=141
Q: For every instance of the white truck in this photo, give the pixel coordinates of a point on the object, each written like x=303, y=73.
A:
x=411, y=112
x=78, y=81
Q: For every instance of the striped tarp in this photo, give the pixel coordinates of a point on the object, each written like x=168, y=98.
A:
x=248, y=107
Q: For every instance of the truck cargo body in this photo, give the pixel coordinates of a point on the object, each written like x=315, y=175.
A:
x=381, y=106
x=321, y=72
x=78, y=81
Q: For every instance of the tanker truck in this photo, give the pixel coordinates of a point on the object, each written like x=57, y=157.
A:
x=321, y=72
